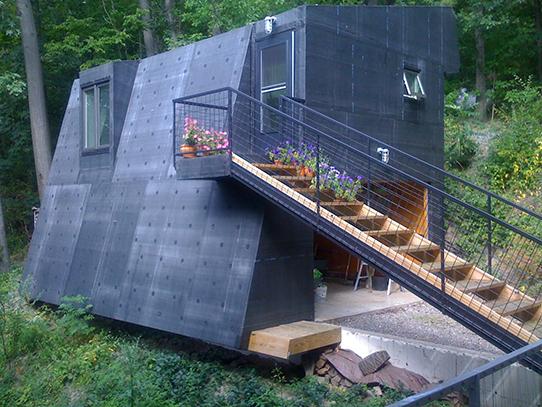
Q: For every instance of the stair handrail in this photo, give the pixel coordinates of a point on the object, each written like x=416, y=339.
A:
x=456, y=200
x=416, y=159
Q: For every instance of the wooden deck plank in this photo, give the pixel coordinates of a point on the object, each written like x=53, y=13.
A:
x=283, y=341
x=416, y=248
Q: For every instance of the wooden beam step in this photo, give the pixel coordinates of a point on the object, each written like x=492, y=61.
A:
x=416, y=248
x=515, y=307
x=291, y=178
x=283, y=341
x=387, y=232
x=355, y=218
x=306, y=190
x=275, y=167
x=341, y=203
x=472, y=286
x=535, y=327
x=435, y=267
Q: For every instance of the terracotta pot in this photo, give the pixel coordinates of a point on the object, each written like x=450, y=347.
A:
x=300, y=171
x=188, y=151
x=309, y=172
x=277, y=162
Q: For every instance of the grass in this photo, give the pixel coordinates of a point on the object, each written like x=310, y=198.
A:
x=65, y=357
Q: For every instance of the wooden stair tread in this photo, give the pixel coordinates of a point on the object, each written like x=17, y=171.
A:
x=515, y=307
x=283, y=341
x=535, y=327
x=341, y=203
x=472, y=286
x=435, y=266
x=278, y=167
x=291, y=178
x=388, y=232
x=363, y=217
x=409, y=248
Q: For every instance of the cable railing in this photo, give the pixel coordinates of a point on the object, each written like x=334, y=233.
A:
x=415, y=214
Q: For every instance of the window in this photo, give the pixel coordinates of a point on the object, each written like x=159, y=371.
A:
x=96, y=116
x=274, y=81
x=412, y=84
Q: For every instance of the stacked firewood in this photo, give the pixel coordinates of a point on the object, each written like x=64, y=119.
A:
x=324, y=369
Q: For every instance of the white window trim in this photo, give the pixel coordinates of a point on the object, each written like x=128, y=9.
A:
x=409, y=93
x=96, y=90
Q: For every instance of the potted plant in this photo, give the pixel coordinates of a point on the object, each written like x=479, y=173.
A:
x=191, y=136
x=320, y=287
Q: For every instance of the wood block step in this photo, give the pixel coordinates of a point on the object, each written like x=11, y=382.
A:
x=341, y=203
x=416, y=248
x=380, y=233
x=435, y=267
x=535, y=327
x=473, y=286
x=515, y=307
x=292, y=178
x=283, y=341
x=275, y=167
x=355, y=218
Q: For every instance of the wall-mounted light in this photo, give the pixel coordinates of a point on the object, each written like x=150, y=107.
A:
x=384, y=154
x=269, y=21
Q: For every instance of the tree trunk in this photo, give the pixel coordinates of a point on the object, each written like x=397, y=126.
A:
x=480, y=72
x=538, y=32
x=169, y=6
x=39, y=123
x=4, y=253
x=148, y=35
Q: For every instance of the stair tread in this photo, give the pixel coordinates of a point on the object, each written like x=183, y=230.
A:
x=514, y=307
x=342, y=203
x=478, y=285
x=364, y=217
x=410, y=248
x=535, y=327
x=271, y=166
x=291, y=178
x=388, y=232
x=436, y=266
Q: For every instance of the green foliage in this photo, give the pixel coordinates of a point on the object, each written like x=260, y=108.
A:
x=515, y=159
x=65, y=358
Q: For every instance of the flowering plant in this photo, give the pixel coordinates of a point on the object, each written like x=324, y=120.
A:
x=206, y=140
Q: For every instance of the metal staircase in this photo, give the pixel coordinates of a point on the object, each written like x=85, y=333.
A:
x=459, y=247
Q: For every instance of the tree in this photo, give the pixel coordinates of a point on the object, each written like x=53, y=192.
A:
x=4, y=252
x=169, y=6
x=148, y=34
x=39, y=122
x=537, y=8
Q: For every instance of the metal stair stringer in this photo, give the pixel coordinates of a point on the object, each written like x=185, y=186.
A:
x=398, y=267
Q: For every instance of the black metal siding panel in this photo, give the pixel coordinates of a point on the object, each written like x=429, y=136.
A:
x=51, y=253
x=282, y=286
x=65, y=165
x=144, y=152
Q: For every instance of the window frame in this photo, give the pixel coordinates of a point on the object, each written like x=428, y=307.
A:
x=409, y=94
x=95, y=86
x=287, y=38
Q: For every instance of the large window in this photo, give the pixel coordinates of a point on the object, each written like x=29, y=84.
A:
x=274, y=79
x=412, y=84
x=96, y=116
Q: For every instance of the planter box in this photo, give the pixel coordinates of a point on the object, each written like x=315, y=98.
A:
x=213, y=166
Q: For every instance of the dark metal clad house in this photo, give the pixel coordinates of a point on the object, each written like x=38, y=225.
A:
x=210, y=258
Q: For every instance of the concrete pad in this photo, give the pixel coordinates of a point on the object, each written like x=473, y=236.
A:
x=343, y=301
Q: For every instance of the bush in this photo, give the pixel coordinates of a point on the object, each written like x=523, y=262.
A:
x=515, y=159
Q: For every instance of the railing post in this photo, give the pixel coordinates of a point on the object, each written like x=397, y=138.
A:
x=442, y=244
x=230, y=122
x=174, y=136
x=369, y=173
x=489, y=237
x=318, y=180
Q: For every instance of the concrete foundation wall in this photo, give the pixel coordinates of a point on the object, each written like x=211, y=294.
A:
x=514, y=386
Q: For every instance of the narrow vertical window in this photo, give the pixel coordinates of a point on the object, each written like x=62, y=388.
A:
x=274, y=81
x=96, y=116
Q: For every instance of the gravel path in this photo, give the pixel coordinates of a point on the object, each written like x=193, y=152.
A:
x=418, y=321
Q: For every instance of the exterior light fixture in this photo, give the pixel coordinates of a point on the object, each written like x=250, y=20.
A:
x=269, y=21
x=384, y=154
